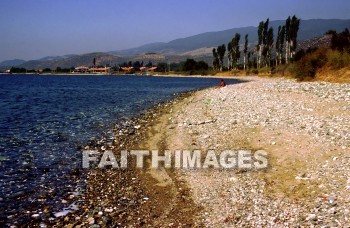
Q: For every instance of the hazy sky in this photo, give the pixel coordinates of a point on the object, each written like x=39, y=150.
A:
x=31, y=29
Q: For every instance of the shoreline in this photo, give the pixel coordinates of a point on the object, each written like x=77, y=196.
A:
x=294, y=122
x=326, y=79
x=137, y=75
x=131, y=196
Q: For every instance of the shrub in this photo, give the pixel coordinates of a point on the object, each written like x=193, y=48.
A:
x=252, y=71
x=265, y=70
x=280, y=70
x=338, y=59
x=308, y=65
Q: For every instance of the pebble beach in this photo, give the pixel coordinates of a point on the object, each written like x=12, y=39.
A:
x=303, y=126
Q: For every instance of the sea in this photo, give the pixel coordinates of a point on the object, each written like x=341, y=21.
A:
x=45, y=120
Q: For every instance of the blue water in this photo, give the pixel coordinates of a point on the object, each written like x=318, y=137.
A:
x=44, y=120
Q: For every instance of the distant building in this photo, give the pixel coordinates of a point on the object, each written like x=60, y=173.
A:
x=100, y=70
x=84, y=69
x=127, y=69
x=81, y=69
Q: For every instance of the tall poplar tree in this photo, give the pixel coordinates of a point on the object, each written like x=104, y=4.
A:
x=260, y=43
x=288, y=33
x=295, y=22
x=229, y=55
x=269, y=46
x=245, y=50
x=221, y=54
x=235, y=54
x=215, y=59
x=292, y=28
x=279, y=44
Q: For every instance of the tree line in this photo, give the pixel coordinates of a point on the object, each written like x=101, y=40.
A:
x=284, y=47
x=190, y=65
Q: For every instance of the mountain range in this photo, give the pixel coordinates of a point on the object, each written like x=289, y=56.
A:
x=197, y=46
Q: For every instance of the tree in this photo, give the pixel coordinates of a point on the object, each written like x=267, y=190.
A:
x=149, y=64
x=340, y=41
x=229, y=55
x=237, y=54
x=124, y=64
x=136, y=65
x=294, y=28
x=175, y=66
x=201, y=65
x=269, y=45
x=192, y=65
x=265, y=41
x=248, y=59
x=234, y=54
x=216, y=62
x=245, y=50
x=221, y=54
x=162, y=67
x=260, y=43
x=18, y=70
x=189, y=65
x=288, y=33
x=279, y=44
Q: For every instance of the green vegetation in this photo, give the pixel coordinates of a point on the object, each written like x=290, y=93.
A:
x=192, y=67
x=334, y=58
x=279, y=56
x=233, y=52
x=306, y=67
x=18, y=70
x=338, y=59
x=286, y=41
x=219, y=54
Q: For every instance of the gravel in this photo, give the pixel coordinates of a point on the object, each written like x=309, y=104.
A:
x=297, y=123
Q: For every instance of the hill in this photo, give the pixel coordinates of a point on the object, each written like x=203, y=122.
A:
x=73, y=61
x=197, y=46
x=14, y=62
x=308, y=29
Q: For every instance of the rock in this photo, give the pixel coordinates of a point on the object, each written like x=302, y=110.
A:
x=109, y=210
x=91, y=220
x=35, y=215
x=62, y=213
x=311, y=217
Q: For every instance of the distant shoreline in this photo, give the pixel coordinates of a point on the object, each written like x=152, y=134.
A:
x=137, y=75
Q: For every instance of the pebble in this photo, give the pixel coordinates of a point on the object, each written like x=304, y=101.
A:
x=311, y=109
x=35, y=215
x=311, y=217
x=109, y=210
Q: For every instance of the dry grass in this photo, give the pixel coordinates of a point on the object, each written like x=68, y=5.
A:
x=338, y=76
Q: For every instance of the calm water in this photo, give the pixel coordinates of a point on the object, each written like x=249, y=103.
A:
x=44, y=120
